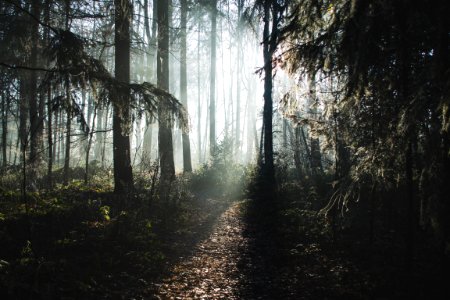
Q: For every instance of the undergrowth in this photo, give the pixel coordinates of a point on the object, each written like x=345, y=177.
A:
x=84, y=242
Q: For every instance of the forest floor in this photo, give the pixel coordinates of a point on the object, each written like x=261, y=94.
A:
x=211, y=271
x=86, y=243
x=239, y=261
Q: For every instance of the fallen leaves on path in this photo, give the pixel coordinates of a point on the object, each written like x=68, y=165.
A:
x=212, y=271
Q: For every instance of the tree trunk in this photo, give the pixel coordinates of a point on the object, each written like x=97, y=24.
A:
x=199, y=107
x=212, y=87
x=150, y=32
x=123, y=175
x=147, y=143
x=316, y=157
x=99, y=135
x=49, y=139
x=4, y=128
x=88, y=148
x=32, y=92
x=165, y=131
x=240, y=4
x=68, y=133
x=187, y=164
x=268, y=49
x=23, y=116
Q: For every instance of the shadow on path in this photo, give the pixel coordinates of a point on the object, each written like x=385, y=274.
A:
x=233, y=262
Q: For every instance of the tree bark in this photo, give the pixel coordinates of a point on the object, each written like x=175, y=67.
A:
x=32, y=94
x=187, y=164
x=68, y=133
x=165, y=131
x=268, y=49
x=123, y=175
x=240, y=4
x=5, y=109
x=316, y=157
x=212, y=87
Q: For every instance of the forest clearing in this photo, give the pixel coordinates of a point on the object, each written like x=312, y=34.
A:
x=224, y=149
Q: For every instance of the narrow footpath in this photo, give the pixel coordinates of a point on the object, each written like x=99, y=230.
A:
x=238, y=260
x=212, y=271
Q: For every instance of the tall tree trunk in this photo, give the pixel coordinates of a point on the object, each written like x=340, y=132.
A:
x=238, y=129
x=4, y=128
x=32, y=92
x=68, y=133
x=251, y=124
x=316, y=157
x=212, y=87
x=268, y=49
x=99, y=134
x=23, y=116
x=105, y=125
x=147, y=143
x=49, y=139
x=123, y=175
x=187, y=164
x=88, y=148
x=165, y=125
x=199, y=107
x=150, y=32
x=69, y=111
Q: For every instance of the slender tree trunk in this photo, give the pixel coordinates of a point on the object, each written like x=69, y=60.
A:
x=268, y=49
x=23, y=116
x=32, y=93
x=199, y=107
x=49, y=139
x=147, y=144
x=88, y=148
x=212, y=87
x=150, y=32
x=105, y=126
x=5, y=110
x=68, y=133
x=165, y=131
x=58, y=137
x=187, y=164
x=123, y=175
x=99, y=134
x=251, y=122
x=238, y=129
x=69, y=111
x=316, y=157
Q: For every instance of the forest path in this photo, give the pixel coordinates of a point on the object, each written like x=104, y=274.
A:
x=219, y=265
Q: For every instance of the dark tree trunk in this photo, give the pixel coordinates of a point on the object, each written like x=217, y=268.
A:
x=88, y=148
x=32, y=93
x=68, y=133
x=23, y=116
x=268, y=49
x=5, y=109
x=123, y=175
x=316, y=157
x=187, y=164
x=49, y=139
x=165, y=125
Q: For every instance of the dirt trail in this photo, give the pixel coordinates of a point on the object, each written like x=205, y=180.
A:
x=212, y=271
